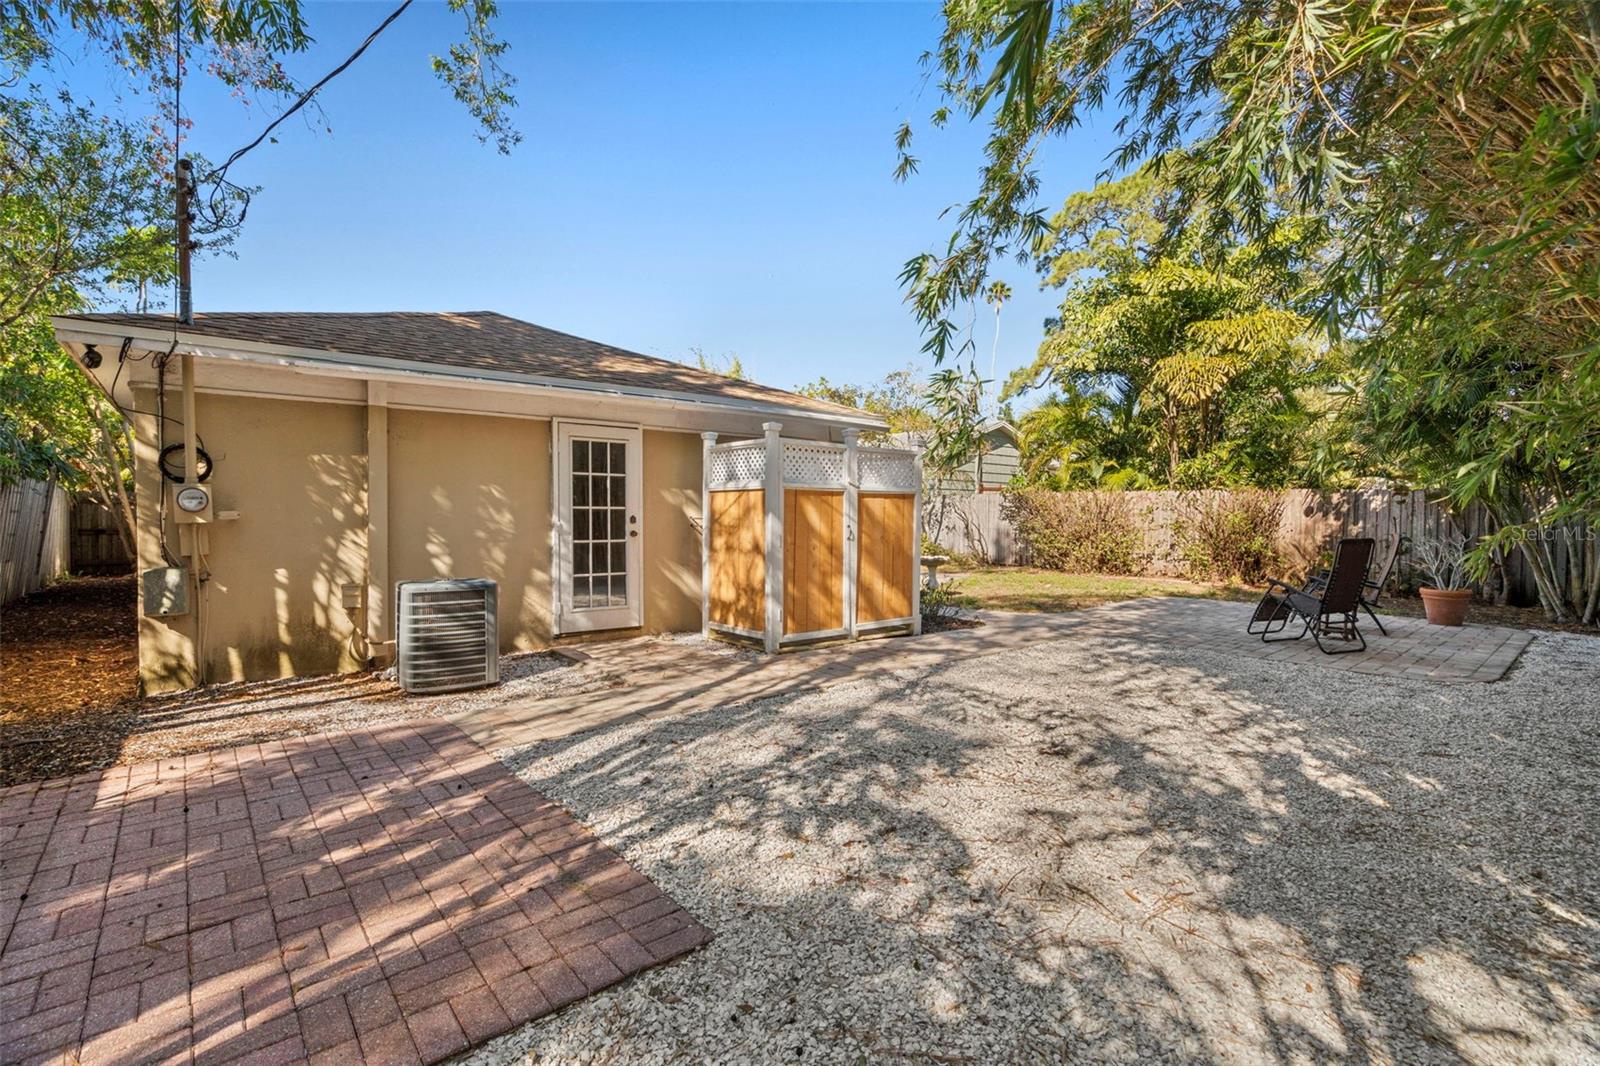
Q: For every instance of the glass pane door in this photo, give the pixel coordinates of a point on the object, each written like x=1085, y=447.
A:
x=598, y=531
x=600, y=524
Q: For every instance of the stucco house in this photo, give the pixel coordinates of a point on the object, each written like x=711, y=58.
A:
x=348, y=452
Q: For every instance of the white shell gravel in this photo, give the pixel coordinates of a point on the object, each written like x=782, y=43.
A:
x=1106, y=850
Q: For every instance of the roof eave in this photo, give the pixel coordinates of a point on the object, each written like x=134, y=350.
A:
x=71, y=329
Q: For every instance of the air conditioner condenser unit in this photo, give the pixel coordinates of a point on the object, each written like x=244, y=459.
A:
x=446, y=638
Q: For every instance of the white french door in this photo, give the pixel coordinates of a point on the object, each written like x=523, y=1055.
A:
x=599, y=527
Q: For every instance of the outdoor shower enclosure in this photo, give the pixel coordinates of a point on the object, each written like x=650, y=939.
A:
x=809, y=540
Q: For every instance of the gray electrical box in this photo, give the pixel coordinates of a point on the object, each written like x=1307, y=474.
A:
x=166, y=591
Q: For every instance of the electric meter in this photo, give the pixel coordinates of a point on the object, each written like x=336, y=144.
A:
x=193, y=503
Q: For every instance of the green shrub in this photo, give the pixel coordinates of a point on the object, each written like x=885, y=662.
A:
x=1080, y=532
x=959, y=560
x=942, y=602
x=1231, y=535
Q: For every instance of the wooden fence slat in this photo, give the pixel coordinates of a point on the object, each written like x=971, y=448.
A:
x=34, y=535
x=96, y=544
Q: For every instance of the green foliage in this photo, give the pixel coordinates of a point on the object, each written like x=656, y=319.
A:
x=56, y=426
x=1081, y=532
x=82, y=214
x=472, y=71
x=242, y=44
x=728, y=365
x=1510, y=426
x=1083, y=439
x=898, y=399
x=239, y=34
x=954, y=402
x=1186, y=361
x=1231, y=535
x=1450, y=149
x=941, y=601
x=42, y=427
x=81, y=206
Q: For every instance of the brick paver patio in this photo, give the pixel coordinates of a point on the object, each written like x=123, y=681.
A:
x=388, y=896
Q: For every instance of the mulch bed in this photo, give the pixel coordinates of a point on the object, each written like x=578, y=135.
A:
x=69, y=678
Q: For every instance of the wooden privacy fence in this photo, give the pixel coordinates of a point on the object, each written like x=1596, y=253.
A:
x=970, y=523
x=34, y=521
x=808, y=540
x=96, y=544
x=973, y=525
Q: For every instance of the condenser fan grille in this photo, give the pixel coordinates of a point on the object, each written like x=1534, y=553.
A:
x=446, y=635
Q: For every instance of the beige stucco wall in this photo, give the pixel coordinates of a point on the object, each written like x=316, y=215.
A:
x=469, y=496
x=671, y=544
x=296, y=474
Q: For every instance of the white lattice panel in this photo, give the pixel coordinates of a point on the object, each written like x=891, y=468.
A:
x=807, y=463
x=883, y=470
x=738, y=464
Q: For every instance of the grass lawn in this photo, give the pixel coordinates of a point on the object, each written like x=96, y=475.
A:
x=1025, y=589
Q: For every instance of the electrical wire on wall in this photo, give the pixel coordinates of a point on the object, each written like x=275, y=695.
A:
x=161, y=446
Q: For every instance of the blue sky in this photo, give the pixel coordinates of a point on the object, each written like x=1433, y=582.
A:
x=711, y=175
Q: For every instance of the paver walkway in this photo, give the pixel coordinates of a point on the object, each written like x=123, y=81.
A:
x=669, y=678
x=388, y=896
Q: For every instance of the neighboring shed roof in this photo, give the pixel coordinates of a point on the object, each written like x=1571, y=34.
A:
x=473, y=340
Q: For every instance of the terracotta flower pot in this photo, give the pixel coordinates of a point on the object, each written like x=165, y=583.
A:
x=1446, y=607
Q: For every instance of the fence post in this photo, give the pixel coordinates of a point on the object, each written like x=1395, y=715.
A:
x=852, y=511
x=773, y=494
x=916, y=552
x=706, y=442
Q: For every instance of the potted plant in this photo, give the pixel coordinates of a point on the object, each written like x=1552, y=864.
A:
x=1443, y=560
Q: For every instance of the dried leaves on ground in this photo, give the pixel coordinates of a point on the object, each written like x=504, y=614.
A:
x=68, y=678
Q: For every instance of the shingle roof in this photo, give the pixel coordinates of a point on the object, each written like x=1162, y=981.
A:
x=476, y=340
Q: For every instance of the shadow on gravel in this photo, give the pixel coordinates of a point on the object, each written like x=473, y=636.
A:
x=1110, y=848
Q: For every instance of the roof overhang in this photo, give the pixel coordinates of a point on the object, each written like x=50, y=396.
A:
x=75, y=331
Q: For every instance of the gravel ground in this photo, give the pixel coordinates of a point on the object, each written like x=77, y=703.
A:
x=1107, y=851
x=697, y=642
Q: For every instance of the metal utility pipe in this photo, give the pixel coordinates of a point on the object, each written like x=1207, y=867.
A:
x=185, y=182
x=190, y=462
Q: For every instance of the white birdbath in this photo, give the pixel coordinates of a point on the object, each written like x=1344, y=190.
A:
x=931, y=563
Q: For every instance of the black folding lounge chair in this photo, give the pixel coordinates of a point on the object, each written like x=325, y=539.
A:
x=1372, y=588
x=1328, y=610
